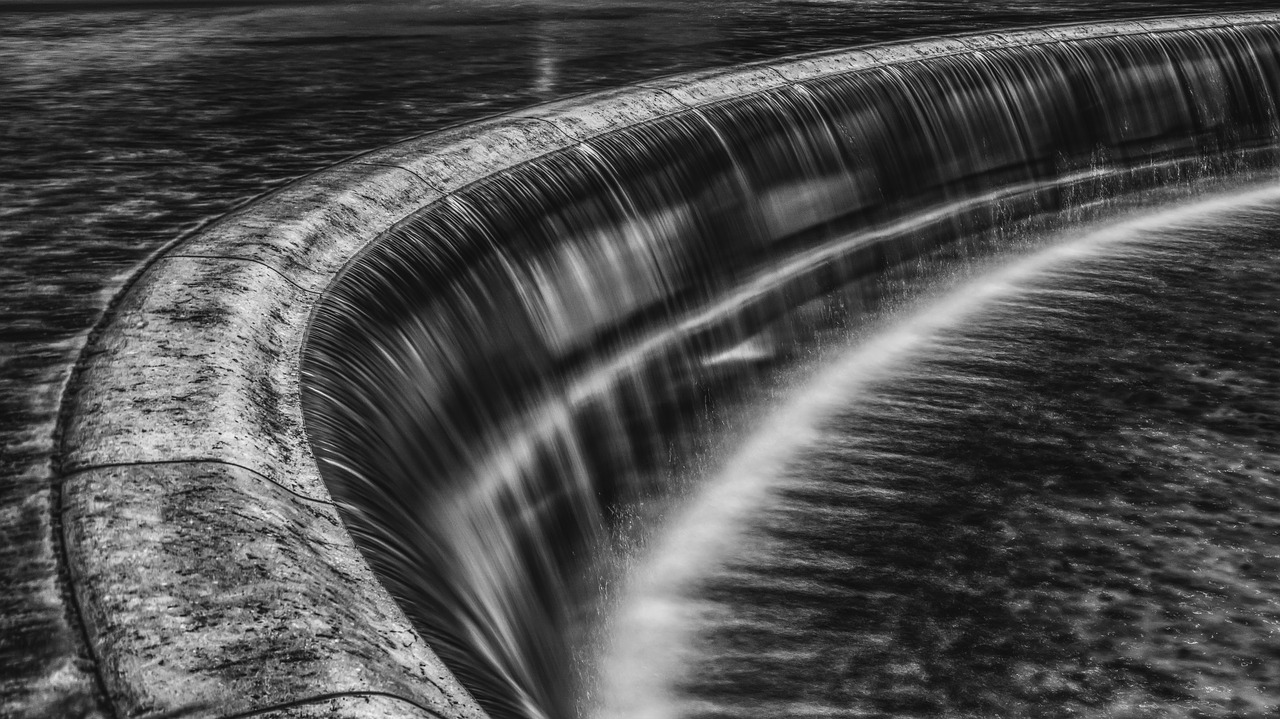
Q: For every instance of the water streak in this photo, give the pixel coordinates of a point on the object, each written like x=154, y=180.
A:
x=511, y=381
x=650, y=632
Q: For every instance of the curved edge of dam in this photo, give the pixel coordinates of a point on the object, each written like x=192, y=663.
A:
x=211, y=571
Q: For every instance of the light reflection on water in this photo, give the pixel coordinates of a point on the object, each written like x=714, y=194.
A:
x=124, y=128
x=989, y=508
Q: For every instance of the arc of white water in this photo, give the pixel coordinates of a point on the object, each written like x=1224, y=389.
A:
x=654, y=615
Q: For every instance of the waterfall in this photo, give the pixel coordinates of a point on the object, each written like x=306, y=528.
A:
x=512, y=378
x=738, y=607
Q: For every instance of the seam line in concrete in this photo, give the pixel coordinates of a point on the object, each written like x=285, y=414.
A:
x=682, y=103
x=326, y=697
x=430, y=185
x=282, y=275
x=559, y=130
x=162, y=462
x=777, y=73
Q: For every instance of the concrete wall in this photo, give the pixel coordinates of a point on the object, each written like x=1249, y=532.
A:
x=211, y=570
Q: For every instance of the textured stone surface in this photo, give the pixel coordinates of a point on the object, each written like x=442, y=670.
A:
x=890, y=54
x=212, y=592
x=454, y=158
x=1019, y=38
x=308, y=230
x=703, y=88
x=1087, y=32
x=814, y=66
x=200, y=363
x=938, y=46
x=1203, y=21
x=598, y=113
x=365, y=706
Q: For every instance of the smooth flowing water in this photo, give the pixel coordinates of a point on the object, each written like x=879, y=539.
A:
x=1050, y=491
x=126, y=125
x=518, y=392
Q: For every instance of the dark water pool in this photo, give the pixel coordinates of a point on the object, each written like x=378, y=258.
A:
x=1061, y=504
x=124, y=126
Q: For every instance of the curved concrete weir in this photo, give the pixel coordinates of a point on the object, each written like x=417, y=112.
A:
x=213, y=574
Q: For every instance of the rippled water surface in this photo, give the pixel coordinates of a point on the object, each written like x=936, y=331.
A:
x=1051, y=493
x=125, y=126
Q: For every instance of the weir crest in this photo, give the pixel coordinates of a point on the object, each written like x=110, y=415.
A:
x=530, y=312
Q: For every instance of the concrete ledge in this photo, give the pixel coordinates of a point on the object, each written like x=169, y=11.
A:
x=454, y=158
x=306, y=230
x=198, y=370
x=214, y=576
x=218, y=593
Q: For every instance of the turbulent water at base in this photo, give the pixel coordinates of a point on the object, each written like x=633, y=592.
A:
x=518, y=388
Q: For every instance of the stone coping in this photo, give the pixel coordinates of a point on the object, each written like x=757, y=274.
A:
x=210, y=569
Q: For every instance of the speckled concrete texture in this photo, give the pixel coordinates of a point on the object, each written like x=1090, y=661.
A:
x=198, y=367
x=213, y=576
x=703, y=88
x=308, y=230
x=219, y=593
x=363, y=706
x=583, y=118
